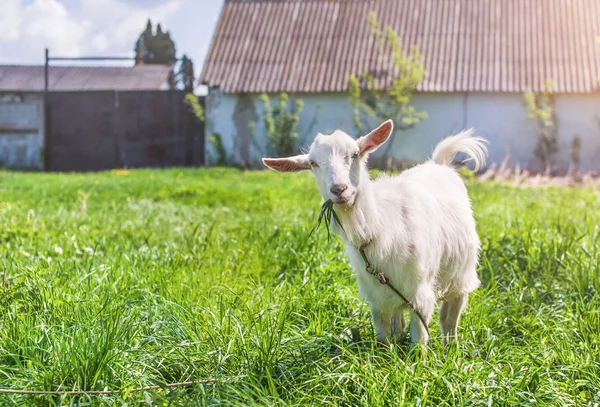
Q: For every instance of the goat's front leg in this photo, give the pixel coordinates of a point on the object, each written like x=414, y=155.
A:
x=398, y=324
x=381, y=320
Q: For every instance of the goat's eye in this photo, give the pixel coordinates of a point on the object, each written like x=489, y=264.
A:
x=354, y=156
x=313, y=164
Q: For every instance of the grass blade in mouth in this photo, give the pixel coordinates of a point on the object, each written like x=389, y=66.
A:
x=326, y=214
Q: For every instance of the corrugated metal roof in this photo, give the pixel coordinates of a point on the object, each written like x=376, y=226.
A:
x=71, y=78
x=467, y=45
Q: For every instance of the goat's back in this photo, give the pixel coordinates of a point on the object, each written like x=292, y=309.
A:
x=432, y=202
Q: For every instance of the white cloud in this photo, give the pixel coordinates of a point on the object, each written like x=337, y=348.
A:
x=126, y=29
x=48, y=22
x=90, y=27
x=100, y=43
x=10, y=20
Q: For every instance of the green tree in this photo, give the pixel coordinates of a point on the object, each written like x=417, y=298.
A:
x=186, y=74
x=281, y=122
x=541, y=110
x=376, y=105
x=158, y=48
x=163, y=48
x=141, y=45
x=155, y=48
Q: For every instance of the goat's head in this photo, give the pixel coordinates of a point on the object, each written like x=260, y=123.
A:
x=337, y=161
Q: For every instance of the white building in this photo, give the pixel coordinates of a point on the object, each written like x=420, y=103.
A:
x=480, y=58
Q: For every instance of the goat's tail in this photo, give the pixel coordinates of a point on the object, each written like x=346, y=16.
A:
x=464, y=142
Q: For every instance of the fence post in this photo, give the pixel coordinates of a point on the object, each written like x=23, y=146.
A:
x=46, y=127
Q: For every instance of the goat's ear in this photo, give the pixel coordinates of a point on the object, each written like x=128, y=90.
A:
x=377, y=137
x=289, y=164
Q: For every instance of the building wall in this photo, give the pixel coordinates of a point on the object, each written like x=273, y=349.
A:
x=21, y=130
x=500, y=118
x=579, y=115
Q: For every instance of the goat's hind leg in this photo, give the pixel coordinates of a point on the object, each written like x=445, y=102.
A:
x=450, y=314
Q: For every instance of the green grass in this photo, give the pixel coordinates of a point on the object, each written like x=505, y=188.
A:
x=120, y=280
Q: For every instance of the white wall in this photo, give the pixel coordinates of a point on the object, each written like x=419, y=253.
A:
x=219, y=110
x=21, y=130
x=580, y=115
x=499, y=117
x=335, y=112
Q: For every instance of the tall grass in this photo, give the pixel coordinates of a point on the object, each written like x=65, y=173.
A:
x=126, y=279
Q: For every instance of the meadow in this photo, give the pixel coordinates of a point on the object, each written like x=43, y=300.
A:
x=120, y=280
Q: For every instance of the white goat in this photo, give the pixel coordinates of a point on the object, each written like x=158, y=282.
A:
x=418, y=226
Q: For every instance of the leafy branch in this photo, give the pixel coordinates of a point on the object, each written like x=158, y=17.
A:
x=541, y=110
x=378, y=105
x=194, y=105
x=281, y=123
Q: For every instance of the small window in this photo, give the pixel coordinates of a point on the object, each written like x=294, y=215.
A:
x=11, y=98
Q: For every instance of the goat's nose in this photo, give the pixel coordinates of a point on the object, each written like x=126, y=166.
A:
x=338, y=189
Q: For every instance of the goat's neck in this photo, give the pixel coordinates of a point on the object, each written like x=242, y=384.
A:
x=362, y=220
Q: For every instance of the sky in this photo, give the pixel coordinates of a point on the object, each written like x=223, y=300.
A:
x=72, y=28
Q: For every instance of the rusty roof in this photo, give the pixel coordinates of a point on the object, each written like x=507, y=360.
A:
x=466, y=45
x=75, y=78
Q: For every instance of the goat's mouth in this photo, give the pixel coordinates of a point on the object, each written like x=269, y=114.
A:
x=345, y=201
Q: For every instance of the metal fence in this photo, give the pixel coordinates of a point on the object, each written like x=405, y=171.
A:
x=99, y=130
